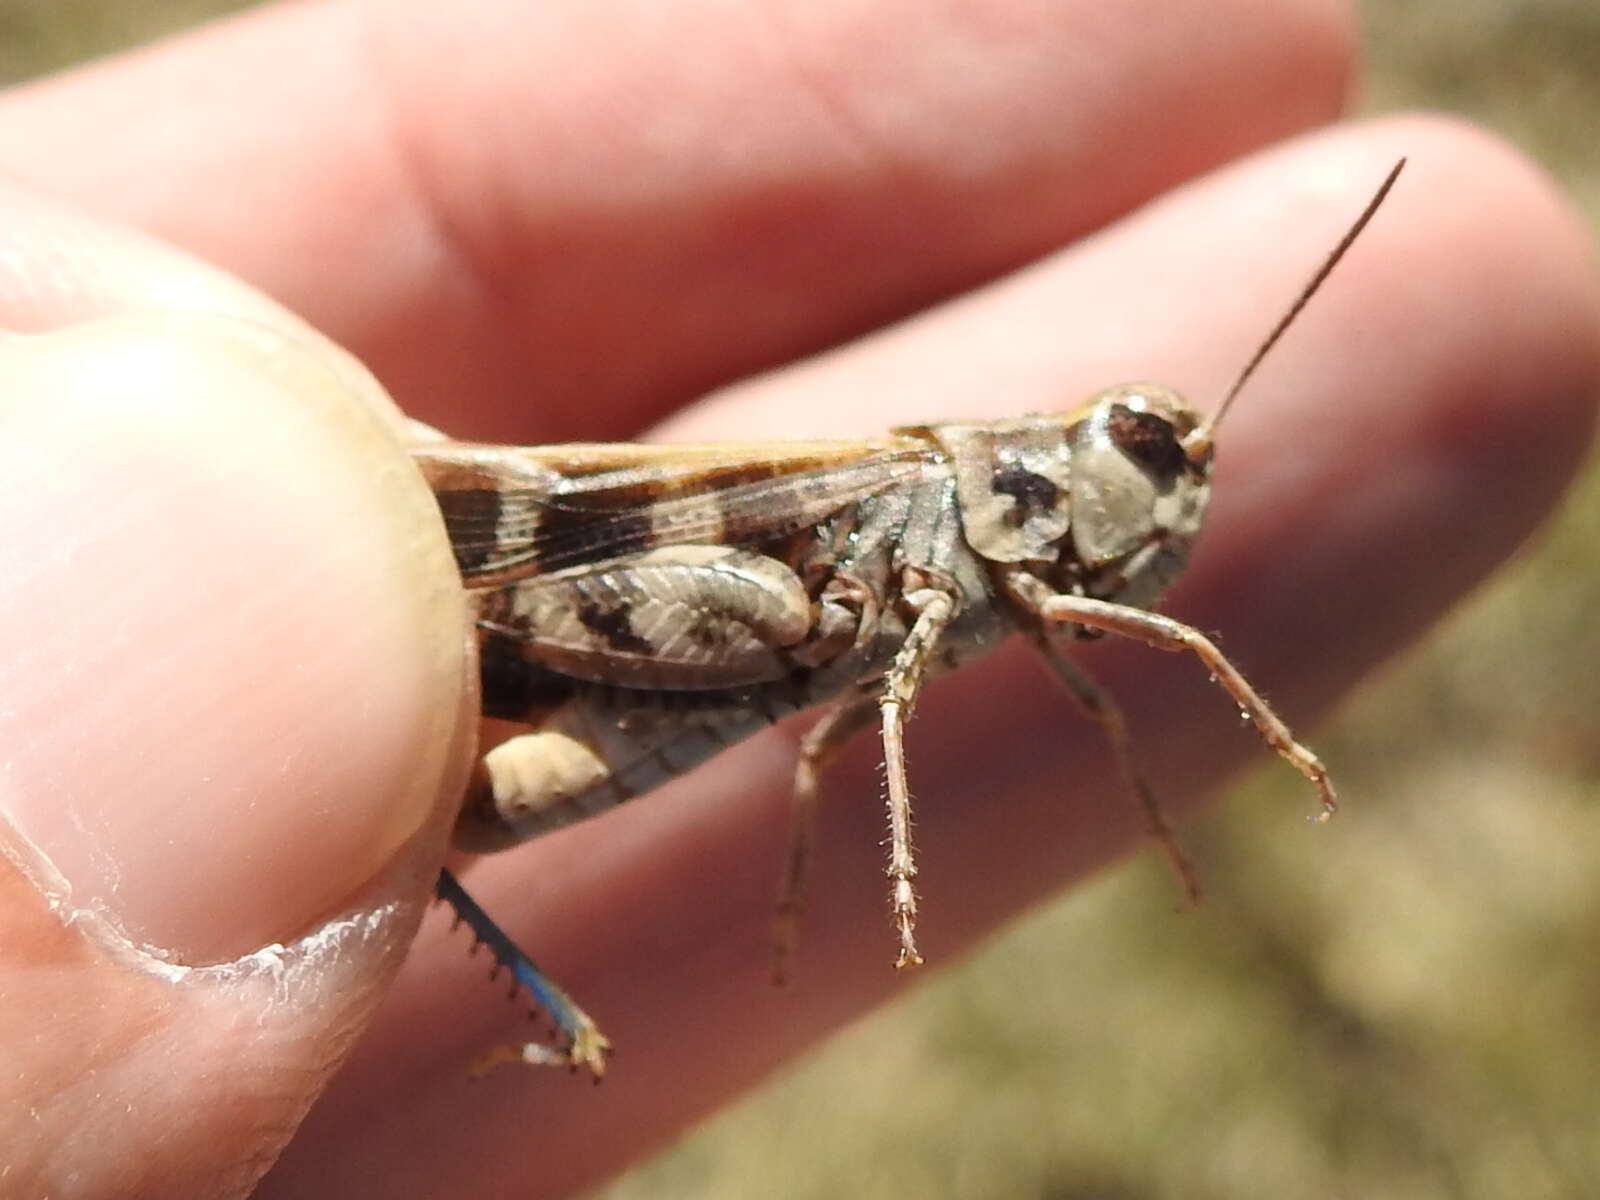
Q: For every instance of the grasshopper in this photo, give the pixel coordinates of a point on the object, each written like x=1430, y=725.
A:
x=641, y=607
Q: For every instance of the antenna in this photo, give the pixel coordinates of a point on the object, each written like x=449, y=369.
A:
x=1198, y=442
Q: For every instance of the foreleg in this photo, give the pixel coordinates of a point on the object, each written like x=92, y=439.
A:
x=1164, y=633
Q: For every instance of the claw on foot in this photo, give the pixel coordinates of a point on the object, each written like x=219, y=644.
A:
x=588, y=1050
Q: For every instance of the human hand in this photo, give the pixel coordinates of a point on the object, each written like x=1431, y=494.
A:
x=569, y=224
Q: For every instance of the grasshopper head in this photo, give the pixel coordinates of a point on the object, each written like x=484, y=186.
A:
x=1140, y=484
x=1141, y=465
x=1104, y=501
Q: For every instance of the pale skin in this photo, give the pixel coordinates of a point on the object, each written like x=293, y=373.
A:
x=234, y=690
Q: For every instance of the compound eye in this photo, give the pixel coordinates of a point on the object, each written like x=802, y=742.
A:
x=1149, y=440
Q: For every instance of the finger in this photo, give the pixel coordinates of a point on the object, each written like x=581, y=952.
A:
x=559, y=223
x=233, y=695
x=1350, y=509
x=59, y=266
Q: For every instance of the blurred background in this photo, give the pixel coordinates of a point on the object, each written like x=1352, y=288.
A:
x=1408, y=1008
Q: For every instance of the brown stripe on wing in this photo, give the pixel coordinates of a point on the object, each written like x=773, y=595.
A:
x=504, y=533
x=472, y=519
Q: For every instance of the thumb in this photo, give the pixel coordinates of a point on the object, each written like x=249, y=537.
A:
x=233, y=704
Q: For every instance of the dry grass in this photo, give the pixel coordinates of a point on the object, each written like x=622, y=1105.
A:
x=1402, y=1006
